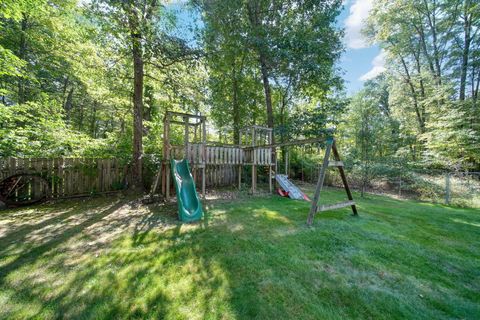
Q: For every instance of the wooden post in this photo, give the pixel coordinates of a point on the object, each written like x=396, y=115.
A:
x=254, y=159
x=167, y=159
x=271, y=157
x=400, y=186
x=204, y=160
x=240, y=160
x=185, y=119
x=276, y=165
x=344, y=178
x=447, y=188
x=239, y=177
x=321, y=177
x=270, y=186
x=195, y=153
x=286, y=163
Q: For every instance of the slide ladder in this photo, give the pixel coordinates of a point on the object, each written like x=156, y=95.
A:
x=189, y=206
x=293, y=191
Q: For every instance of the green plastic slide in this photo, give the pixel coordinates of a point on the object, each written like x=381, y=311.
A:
x=189, y=206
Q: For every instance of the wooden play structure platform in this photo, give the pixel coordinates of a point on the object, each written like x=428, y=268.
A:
x=201, y=154
x=255, y=149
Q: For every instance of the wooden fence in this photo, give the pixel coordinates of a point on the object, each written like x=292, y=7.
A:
x=70, y=176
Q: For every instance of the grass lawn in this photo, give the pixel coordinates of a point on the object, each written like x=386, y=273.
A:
x=250, y=258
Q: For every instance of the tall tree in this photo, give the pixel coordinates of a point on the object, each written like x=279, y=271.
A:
x=295, y=44
x=134, y=23
x=429, y=49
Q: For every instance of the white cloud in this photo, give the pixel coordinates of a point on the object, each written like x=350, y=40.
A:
x=378, y=66
x=355, y=22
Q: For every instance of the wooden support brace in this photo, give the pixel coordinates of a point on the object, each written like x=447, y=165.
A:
x=330, y=148
x=335, y=164
x=336, y=156
x=335, y=206
x=321, y=178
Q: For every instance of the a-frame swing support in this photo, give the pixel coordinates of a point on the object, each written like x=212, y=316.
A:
x=331, y=147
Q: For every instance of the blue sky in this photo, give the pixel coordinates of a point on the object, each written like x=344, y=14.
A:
x=361, y=60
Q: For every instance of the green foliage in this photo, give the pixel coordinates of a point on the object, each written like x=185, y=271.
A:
x=66, y=78
x=432, y=50
x=36, y=129
x=243, y=53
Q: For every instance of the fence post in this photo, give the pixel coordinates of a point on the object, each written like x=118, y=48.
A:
x=400, y=186
x=447, y=188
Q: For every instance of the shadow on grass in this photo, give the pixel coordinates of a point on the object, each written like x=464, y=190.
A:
x=246, y=259
x=31, y=255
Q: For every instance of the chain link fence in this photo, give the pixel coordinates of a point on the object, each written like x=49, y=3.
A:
x=459, y=188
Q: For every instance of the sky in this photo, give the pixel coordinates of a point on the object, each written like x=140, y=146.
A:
x=361, y=60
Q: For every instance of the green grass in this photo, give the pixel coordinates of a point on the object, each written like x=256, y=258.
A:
x=250, y=258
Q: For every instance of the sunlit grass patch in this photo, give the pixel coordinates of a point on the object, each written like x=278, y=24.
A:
x=249, y=258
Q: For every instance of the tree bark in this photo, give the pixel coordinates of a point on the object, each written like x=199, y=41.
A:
x=69, y=102
x=235, y=106
x=64, y=91
x=256, y=24
x=93, y=123
x=138, y=74
x=420, y=117
x=432, y=22
x=467, y=27
x=267, y=90
x=22, y=50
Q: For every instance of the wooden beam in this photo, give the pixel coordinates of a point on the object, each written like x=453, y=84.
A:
x=204, y=148
x=335, y=163
x=289, y=143
x=182, y=114
x=335, y=206
x=182, y=123
x=336, y=156
x=254, y=168
x=321, y=178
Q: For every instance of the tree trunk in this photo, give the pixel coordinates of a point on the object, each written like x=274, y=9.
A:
x=420, y=117
x=256, y=22
x=22, y=50
x=467, y=27
x=137, y=55
x=268, y=93
x=282, y=126
x=432, y=22
x=93, y=123
x=69, y=102
x=64, y=91
x=137, y=182
x=80, y=120
x=235, y=105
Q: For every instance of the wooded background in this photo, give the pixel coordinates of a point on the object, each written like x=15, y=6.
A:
x=93, y=79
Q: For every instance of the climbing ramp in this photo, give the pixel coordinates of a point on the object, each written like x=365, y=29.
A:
x=293, y=191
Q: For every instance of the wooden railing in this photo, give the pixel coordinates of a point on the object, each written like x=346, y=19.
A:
x=223, y=155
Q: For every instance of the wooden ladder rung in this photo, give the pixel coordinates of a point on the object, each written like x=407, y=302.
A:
x=335, y=206
x=335, y=163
